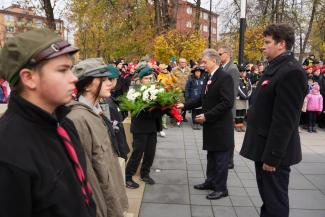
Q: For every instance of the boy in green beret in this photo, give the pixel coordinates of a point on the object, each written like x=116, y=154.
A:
x=144, y=128
x=42, y=164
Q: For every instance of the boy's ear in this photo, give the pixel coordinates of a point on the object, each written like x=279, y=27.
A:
x=28, y=78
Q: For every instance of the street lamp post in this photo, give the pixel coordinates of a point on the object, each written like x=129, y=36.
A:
x=242, y=31
x=210, y=17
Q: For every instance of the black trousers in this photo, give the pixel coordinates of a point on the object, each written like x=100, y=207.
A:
x=312, y=117
x=273, y=188
x=143, y=144
x=217, y=170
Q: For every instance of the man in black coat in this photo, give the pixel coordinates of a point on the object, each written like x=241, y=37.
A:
x=272, y=139
x=218, y=133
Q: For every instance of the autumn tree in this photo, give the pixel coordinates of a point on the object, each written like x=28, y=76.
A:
x=113, y=29
x=175, y=43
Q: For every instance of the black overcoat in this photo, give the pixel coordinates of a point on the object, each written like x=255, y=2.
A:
x=217, y=101
x=272, y=120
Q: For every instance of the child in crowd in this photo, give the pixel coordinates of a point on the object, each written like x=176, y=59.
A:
x=314, y=101
x=103, y=169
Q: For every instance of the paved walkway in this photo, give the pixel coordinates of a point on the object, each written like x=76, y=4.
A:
x=180, y=163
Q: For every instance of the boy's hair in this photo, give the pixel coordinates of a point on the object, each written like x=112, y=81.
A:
x=38, y=67
x=281, y=32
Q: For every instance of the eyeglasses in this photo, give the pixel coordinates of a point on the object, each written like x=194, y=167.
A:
x=220, y=54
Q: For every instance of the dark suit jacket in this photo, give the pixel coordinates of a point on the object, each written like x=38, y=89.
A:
x=272, y=121
x=218, y=132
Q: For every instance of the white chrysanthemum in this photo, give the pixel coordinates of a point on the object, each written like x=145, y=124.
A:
x=132, y=94
x=143, y=88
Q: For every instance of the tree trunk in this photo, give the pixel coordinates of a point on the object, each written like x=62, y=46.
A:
x=173, y=13
x=277, y=18
x=197, y=15
x=312, y=16
x=165, y=14
x=266, y=7
x=272, y=12
x=157, y=16
x=47, y=6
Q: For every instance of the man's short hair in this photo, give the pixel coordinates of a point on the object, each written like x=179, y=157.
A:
x=281, y=32
x=211, y=54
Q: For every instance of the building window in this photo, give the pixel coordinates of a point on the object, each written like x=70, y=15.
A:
x=205, y=16
x=189, y=24
x=58, y=26
x=214, y=20
x=39, y=24
x=9, y=19
x=10, y=29
x=214, y=31
x=189, y=10
x=205, y=28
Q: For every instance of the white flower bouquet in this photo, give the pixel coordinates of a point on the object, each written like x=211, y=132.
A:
x=147, y=98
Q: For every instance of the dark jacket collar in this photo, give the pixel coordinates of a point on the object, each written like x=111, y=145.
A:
x=35, y=114
x=276, y=62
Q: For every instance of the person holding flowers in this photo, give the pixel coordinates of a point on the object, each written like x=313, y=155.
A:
x=144, y=128
x=147, y=103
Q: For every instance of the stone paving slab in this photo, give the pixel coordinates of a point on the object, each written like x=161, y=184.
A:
x=180, y=163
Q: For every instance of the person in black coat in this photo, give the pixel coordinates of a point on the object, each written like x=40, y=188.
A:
x=144, y=128
x=217, y=101
x=272, y=139
x=42, y=163
x=193, y=90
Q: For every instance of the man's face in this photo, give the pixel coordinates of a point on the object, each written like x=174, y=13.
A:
x=271, y=48
x=182, y=63
x=242, y=74
x=309, y=70
x=260, y=68
x=120, y=66
x=209, y=64
x=223, y=55
x=56, y=82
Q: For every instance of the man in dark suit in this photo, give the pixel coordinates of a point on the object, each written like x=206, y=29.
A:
x=218, y=133
x=229, y=67
x=272, y=139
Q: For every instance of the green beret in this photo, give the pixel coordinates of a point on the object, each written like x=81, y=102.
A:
x=28, y=49
x=145, y=71
x=112, y=71
x=92, y=67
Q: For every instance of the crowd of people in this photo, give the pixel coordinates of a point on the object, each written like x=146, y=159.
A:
x=64, y=129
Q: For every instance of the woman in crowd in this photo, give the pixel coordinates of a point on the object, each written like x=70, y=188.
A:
x=167, y=79
x=103, y=168
x=193, y=90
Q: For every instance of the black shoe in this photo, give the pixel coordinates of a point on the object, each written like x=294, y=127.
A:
x=148, y=180
x=313, y=129
x=131, y=184
x=231, y=166
x=309, y=130
x=217, y=195
x=202, y=186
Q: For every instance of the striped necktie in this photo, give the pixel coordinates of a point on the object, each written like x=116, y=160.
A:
x=85, y=186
